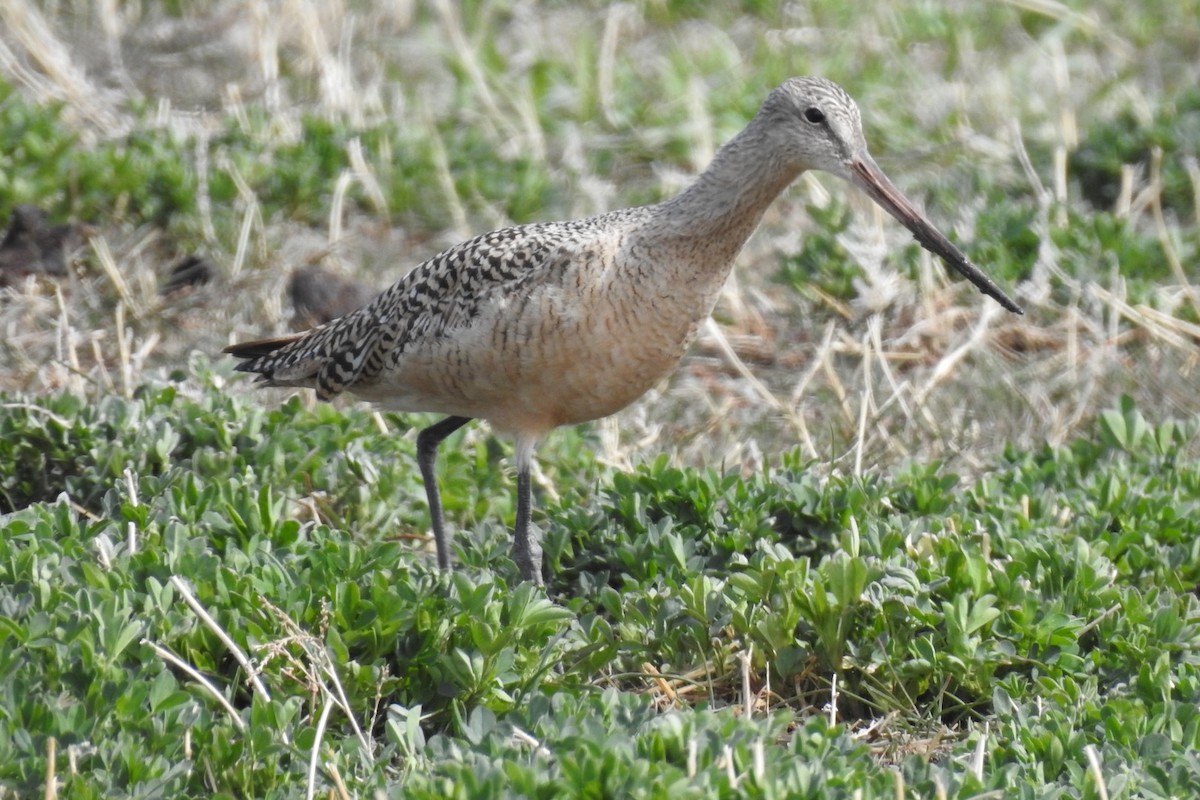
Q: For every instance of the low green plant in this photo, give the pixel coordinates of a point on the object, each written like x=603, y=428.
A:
x=1049, y=601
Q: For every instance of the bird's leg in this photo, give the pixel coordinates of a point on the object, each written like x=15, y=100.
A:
x=527, y=551
x=427, y=445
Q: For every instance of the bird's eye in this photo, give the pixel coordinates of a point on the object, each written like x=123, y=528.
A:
x=814, y=115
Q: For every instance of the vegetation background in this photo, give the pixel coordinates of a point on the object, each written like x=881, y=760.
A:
x=875, y=537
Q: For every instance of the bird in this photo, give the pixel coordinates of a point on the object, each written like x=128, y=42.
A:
x=546, y=324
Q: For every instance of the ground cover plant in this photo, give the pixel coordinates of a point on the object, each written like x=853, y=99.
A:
x=873, y=540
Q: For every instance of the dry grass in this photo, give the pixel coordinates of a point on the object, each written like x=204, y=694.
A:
x=904, y=372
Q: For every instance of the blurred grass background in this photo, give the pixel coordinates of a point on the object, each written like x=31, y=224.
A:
x=1056, y=141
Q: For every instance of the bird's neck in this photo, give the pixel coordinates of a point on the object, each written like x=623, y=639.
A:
x=676, y=256
x=710, y=220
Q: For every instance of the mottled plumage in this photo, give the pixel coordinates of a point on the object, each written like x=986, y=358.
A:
x=536, y=326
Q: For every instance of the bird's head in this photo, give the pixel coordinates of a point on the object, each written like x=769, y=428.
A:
x=814, y=124
x=811, y=123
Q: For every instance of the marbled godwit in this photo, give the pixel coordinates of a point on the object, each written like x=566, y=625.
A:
x=549, y=324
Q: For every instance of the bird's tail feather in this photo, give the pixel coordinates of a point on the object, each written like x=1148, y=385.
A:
x=259, y=348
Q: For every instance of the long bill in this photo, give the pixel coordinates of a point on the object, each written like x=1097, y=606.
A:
x=867, y=175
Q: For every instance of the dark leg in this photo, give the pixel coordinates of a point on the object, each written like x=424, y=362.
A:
x=427, y=445
x=527, y=552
